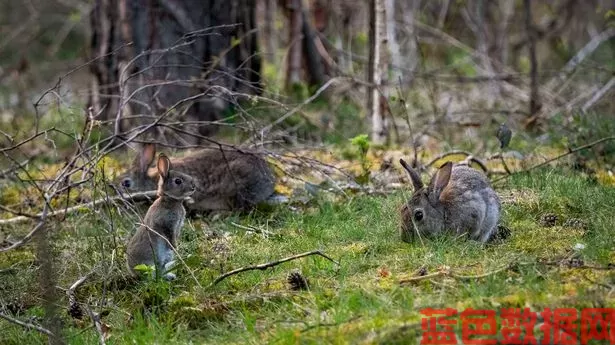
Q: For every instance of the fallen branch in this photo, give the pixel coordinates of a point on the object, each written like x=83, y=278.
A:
x=448, y=273
x=73, y=306
x=580, y=148
x=604, y=89
x=96, y=320
x=451, y=274
x=27, y=325
x=469, y=158
x=266, y=265
x=135, y=197
x=446, y=154
x=589, y=48
x=253, y=229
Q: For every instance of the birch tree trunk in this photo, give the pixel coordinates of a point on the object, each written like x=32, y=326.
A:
x=394, y=48
x=377, y=70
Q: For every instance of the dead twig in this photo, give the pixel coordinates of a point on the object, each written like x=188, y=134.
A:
x=271, y=264
x=570, y=151
x=253, y=229
x=447, y=154
x=448, y=273
x=27, y=325
x=604, y=89
x=469, y=159
x=73, y=305
x=96, y=320
x=135, y=197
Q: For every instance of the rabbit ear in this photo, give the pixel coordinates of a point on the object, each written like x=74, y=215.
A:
x=147, y=157
x=441, y=179
x=164, y=165
x=416, y=179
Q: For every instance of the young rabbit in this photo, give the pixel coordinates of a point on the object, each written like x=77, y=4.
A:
x=458, y=199
x=225, y=180
x=154, y=242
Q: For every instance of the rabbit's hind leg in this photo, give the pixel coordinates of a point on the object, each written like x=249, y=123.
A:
x=489, y=226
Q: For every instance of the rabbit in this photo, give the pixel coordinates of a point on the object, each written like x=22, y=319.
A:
x=458, y=198
x=225, y=180
x=154, y=242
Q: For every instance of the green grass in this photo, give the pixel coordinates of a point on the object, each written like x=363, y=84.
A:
x=361, y=301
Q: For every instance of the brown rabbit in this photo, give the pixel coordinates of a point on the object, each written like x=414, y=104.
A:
x=458, y=199
x=154, y=242
x=225, y=180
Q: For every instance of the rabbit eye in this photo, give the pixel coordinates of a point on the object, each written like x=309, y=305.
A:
x=418, y=215
x=126, y=183
x=178, y=181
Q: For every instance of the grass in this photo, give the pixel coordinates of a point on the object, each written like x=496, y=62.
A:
x=361, y=301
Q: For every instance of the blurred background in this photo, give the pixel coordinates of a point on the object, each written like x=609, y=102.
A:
x=302, y=73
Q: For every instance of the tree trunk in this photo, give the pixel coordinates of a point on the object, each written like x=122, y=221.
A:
x=377, y=71
x=529, y=26
x=394, y=48
x=269, y=30
x=293, y=72
x=171, y=56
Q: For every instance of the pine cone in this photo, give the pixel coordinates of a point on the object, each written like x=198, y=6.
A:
x=297, y=281
x=548, y=220
x=576, y=223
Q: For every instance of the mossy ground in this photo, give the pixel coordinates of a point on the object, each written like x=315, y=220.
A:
x=359, y=301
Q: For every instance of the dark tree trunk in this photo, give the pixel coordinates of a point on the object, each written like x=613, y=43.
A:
x=295, y=19
x=171, y=56
x=304, y=59
x=529, y=26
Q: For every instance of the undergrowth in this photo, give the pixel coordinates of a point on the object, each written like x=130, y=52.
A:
x=359, y=301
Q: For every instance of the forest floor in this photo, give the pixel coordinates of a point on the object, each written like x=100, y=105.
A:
x=559, y=254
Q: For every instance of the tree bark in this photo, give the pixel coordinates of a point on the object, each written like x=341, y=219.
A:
x=152, y=56
x=293, y=72
x=269, y=30
x=377, y=69
x=529, y=26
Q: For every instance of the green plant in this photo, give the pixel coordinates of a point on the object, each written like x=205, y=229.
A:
x=361, y=143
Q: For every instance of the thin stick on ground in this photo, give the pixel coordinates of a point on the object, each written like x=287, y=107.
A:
x=27, y=325
x=70, y=293
x=570, y=151
x=267, y=265
x=96, y=320
x=253, y=229
x=449, y=273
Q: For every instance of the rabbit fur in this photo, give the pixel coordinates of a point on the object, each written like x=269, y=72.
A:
x=154, y=242
x=225, y=180
x=458, y=199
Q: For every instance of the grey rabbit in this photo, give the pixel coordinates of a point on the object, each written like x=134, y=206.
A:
x=458, y=199
x=226, y=180
x=155, y=241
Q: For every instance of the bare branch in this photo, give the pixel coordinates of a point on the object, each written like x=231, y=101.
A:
x=27, y=325
x=271, y=264
x=580, y=148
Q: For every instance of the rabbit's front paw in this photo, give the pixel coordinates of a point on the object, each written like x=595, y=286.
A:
x=170, y=276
